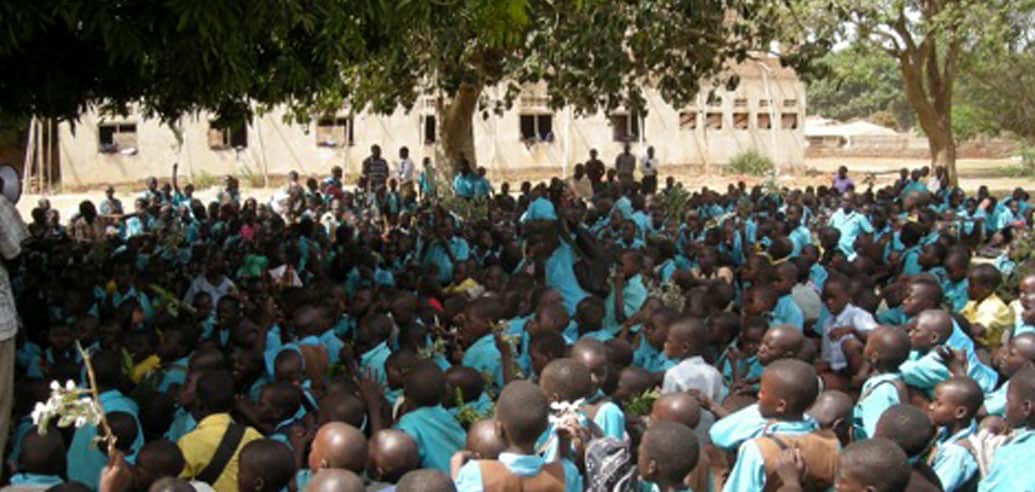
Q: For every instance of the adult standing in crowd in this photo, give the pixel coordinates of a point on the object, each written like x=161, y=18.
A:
x=650, y=172
x=375, y=169
x=625, y=164
x=12, y=233
x=595, y=170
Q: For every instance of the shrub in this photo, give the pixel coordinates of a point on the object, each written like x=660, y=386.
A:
x=750, y=162
x=1026, y=166
x=203, y=180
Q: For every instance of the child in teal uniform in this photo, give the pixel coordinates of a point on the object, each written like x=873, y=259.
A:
x=1011, y=463
x=477, y=336
x=41, y=461
x=627, y=292
x=84, y=458
x=1017, y=355
x=925, y=367
x=522, y=416
x=789, y=387
x=955, y=285
x=786, y=311
x=668, y=452
x=437, y=433
x=649, y=355
x=886, y=349
x=955, y=403
x=373, y=342
x=593, y=355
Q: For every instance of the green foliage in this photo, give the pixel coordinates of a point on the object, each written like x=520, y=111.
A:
x=673, y=203
x=1001, y=91
x=970, y=121
x=467, y=415
x=250, y=178
x=203, y=180
x=750, y=162
x=861, y=83
x=1026, y=166
x=643, y=404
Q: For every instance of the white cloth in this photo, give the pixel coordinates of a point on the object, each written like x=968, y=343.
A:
x=404, y=171
x=853, y=316
x=12, y=234
x=808, y=300
x=216, y=292
x=694, y=374
x=650, y=166
x=278, y=274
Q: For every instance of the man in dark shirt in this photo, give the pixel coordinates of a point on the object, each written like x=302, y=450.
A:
x=595, y=170
x=375, y=169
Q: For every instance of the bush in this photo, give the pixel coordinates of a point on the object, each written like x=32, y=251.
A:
x=750, y=162
x=1026, y=166
x=203, y=180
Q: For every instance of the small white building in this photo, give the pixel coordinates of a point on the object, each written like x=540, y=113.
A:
x=823, y=133
x=765, y=113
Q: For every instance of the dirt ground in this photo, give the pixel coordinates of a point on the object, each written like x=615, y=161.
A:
x=973, y=173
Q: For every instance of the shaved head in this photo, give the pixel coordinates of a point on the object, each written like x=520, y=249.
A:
x=334, y=480
x=338, y=445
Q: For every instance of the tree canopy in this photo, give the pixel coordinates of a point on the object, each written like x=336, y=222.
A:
x=860, y=83
x=177, y=57
x=929, y=41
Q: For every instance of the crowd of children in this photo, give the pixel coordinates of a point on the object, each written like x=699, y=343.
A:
x=619, y=338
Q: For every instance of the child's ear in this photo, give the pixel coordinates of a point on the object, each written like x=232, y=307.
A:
x=960, y=412
x=259, y=483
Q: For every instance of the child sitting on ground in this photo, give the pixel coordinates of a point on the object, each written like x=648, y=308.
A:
x=1011, y=462
x=987, y=314
x=912, y=430
x=1017, y=355
x=668, y=453
x=265, y=465
x=686, y=342
x=952, y=410
x=438, y=435
x=886, y=349
x=592, y=354
x=392, y=454
x=522, y=414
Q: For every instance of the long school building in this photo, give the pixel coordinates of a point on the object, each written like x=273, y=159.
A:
x=766, y=112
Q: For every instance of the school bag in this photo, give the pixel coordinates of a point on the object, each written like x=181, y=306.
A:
x=610, y=466
x=819, y=450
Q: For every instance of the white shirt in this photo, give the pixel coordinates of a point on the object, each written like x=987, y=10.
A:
x=694, y=374
x=201, y=284
x=404, y=171
x=12, y=233
x=650, y=166
x=853, y=316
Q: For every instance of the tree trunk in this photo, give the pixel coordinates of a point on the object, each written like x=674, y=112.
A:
x=943, y=153
x=456, y=131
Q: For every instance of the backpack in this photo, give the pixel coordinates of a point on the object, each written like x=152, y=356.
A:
x=610, y=466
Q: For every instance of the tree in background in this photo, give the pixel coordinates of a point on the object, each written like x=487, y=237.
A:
x=861, y=83
x=174, y=58
x=595, y=55
x=929, y=40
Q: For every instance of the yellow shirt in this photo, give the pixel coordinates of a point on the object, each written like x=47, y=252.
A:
x=199, y=446
x=991, y=313
x=145, y=366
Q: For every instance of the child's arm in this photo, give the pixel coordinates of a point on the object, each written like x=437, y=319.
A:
x=374, y=398
x=506, y=357
x=619, y=298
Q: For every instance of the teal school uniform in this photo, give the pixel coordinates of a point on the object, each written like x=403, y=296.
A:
x=995, y=402
x=878, y=393
x=609, y=417
x=818, y=276
x=373, y=360
x=800, y=237
x=953, y=464
x=850, y=225
x=483, y=405
x=560, y=275
x=736, y=428
x=651, y=359
x=483, y=357
x=85, y=461
x=787, y=312
x=634, y=294
x=35, y=480
x=1010, y=465
x=469, y=478
x=183, y=422
x=924, y=371
x=956, y=293
x=438, y=435
x=749, y=471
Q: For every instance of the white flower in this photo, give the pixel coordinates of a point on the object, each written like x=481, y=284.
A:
x=80, y=421
x=40, y=412
x=55, y=386
x=70, y=385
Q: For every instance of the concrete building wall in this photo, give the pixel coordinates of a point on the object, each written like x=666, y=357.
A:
x=275, y=147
